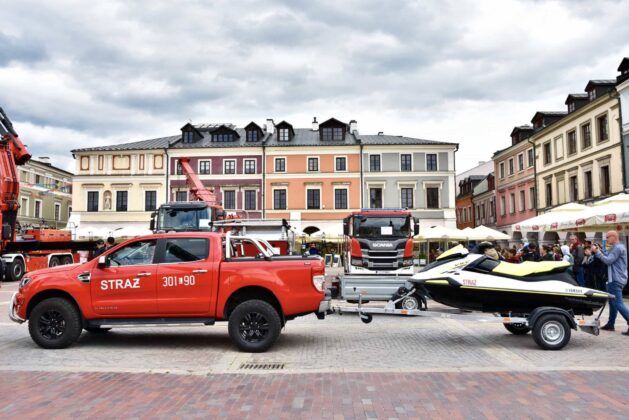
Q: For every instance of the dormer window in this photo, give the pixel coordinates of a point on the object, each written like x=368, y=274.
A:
x=254, y=132
x=188, y=137
x=332, y=133
x=224, y=134
x=571, y=107
x=252, y=135
x=222, y=137
x=592, y=94
x=284, y=134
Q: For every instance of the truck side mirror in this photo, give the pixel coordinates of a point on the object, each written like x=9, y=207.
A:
x=345, y=229
x=416, y=227
x=152, y=224
x=102, y=262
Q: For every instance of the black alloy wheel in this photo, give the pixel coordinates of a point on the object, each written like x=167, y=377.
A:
x=55, y=323
x=52, y=324
x=254, y=326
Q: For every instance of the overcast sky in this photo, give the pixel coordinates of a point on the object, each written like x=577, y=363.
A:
x=85, y=73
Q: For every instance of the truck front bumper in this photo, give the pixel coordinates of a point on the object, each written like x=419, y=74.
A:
x=12, y=310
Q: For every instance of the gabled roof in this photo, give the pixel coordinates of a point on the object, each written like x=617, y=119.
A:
x=576, y=96
x=158, y=143
x=624, y=64
x=252, y=125
x=189, y=126
x=307, y=137
x=206, y=140
x=332, y=121
x=600, y=82
x=224, y=127
x=519, y=128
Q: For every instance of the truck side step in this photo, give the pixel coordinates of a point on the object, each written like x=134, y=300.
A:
x=146, y=322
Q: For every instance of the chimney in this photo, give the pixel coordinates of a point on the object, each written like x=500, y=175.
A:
x=380, y=133
x=353, y=127
x=45, y=160
x=270, y=126
x=315, y=124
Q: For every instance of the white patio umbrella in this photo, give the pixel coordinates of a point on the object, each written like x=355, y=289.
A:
x=130, y=232
x=609, y=214
x=483, y=233
x=557, y=219
x=440, y=233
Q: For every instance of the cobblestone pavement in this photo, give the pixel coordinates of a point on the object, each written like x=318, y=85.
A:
x=336, y=367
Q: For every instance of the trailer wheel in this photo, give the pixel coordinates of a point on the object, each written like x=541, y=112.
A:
x=54, y=262
x=518, y=329
x=414, y=301
x=254, y=326
x=16, y=270
x=366, y=318
x=67, y=260
x=54, y=323
x=551, y=332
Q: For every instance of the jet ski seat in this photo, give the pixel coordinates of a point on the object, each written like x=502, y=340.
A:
x=530, y=268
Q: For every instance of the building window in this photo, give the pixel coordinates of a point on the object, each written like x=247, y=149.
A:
x=374, y=163
x=188, y=137
x=491, y=208
x=502, y=170
x=531, y=157
x=512, y=203
x=181, y=196
x=150, y=200
x=205, y=167
x=605, y=187
x=587, y=180
x=37, y=209
x=121, y=200
x=572, y=142
x=407, y=198
x=532, y=198
x=229, y=167
x=340, y=198
x=37, y=179
x=329, y=133
x=510, y=166
x=313, y=199
x=341, y=164
x=482, y=210
x=586, y=136
x=602, y=127
x=431, y=162
x=252, y=135
x=573, y=184
x=520, y=162
x=229, y=199
x=280, y=165
x=375, y=198
x=432, y=198
x=284, y=134
x=522, y=201
x=313, y=164
x=559, y=148
x=24, y=206
x=465, y=215
x=178, y=168
x=223, y=137
x=549, y=194
x=405, y=163
x=592, y=94
x=250, y=199
x=250, y=166
x=502, y=205
x=547, y=154
x=92, y=201
x=279, y=199
x=57, y=211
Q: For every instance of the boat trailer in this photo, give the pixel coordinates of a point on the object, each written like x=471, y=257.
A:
x=550, y=326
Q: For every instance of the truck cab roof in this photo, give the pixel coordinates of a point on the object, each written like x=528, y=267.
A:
x=185, y=205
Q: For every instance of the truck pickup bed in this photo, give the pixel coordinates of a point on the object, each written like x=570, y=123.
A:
x=173, y=278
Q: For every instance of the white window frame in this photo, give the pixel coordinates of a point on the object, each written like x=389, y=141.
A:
x=280, y=133
x=412, y=163
x=244, y=166
x=25, y=213
x=367, y=196
x=285, y=164
x=501, y=170
x=369, y=155
x=531, y=157
x=503, y=206
x=521, y=155
x=511, y=167
x=199, y=166
x=558, y=141
x=340, y=187
x=346, y=163
x=57, y=214
x=144, y=199
x=273, y=189
x=41, y=208
x=428, y=184
x=522, y=206
x=244, y=199
x=550, y=147
x=426, y=161
x=235, y=190
x=511, y=203
x=114, y=194
x=312, y=187
x=412, y=187
x=225, y=164
x=308, y=164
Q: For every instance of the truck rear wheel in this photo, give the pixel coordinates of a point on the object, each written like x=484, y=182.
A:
x=254, y=326
x=67, y=260
x=55, y=323
x=54, y=262
x=15, y=270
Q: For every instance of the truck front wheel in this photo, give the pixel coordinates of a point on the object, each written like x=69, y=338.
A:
x=254, y=326
x=16, y=270
x=55, y=323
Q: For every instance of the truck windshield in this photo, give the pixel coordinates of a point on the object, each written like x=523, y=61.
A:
x=183, y=219
x=382, y=226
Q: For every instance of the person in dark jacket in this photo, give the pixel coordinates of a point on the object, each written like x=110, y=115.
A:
x=546, y=253
x=595, y=270
x=100, y=248
x=532, y=255
x=576, y=249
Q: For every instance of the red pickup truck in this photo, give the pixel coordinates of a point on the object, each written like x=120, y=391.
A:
x=173, y=278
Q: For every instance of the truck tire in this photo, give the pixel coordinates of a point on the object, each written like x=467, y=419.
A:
x=55, y=323
x=254, y=326
x=96, y=330
x=54, y=262
x=551, y=332
x=15, y=270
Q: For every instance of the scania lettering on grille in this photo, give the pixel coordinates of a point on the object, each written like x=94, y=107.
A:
x=119, y=284
x=382, y=245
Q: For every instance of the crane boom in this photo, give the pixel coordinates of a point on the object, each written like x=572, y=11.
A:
x=198, y=190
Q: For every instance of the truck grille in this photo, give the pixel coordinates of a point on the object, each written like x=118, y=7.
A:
x=384, y=258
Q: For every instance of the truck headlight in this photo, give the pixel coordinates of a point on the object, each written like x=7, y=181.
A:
x=357, y=261
x=24, y=281
x=318, y=282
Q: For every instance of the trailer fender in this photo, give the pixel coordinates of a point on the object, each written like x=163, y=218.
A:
x=543, y=310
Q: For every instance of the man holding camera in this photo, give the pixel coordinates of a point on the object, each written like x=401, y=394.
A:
x=616, y=261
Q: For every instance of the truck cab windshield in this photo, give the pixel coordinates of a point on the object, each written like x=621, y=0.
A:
x=381, y=226
x=183, y=219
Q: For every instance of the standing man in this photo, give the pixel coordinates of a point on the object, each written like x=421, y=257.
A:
x=616, y=260
x=576, y=249
x=111, y=242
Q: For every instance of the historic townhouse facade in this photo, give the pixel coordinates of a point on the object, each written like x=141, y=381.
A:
x=45, y=194
x=484, y=202
x=515, y=181
x=465, y=184
x=118, y=186
x=579, y=156
x=311, y=176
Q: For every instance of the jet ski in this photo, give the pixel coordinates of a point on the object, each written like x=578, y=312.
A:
x=475, y=282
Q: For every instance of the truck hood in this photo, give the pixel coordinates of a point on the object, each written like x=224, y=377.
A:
x=53, y=270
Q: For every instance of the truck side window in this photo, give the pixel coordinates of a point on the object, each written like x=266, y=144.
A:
x=186, y=250
x=136, y=253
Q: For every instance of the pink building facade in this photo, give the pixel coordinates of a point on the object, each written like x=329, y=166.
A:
x=515, y=183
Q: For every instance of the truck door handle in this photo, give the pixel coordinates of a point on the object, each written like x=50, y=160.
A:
x=143, y=274
x=85, y=277
x=201, y=270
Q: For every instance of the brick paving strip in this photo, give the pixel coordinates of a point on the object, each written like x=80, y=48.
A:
x=558, y=394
